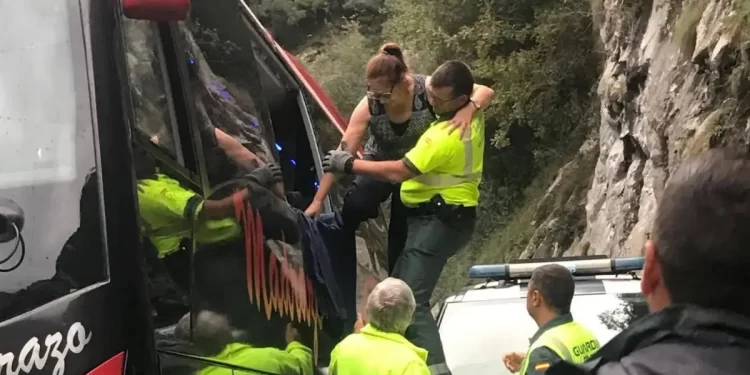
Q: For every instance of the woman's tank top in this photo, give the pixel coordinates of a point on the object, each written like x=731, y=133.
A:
x=390, y=141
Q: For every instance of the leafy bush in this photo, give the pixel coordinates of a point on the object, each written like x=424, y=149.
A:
x=340, y=65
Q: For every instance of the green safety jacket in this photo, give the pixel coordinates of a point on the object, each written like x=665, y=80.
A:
x=296, y=359
x=448, y=164
x=571, y=341
x=169, y=212
x=374, y=352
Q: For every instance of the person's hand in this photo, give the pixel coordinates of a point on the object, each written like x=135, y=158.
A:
x=461, y=121
x=338, y=161
x=513, y=361
x=291, y=334
x=314, y=209
x=266, y=175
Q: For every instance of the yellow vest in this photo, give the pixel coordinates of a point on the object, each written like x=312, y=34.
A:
x=571, y=341
x=167, y=216
x=458, y=176
x=374, y=352
x=295, y=360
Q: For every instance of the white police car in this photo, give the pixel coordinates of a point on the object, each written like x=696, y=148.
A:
x=481, y=323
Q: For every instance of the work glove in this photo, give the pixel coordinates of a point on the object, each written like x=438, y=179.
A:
x=338, y=161
x=266, y=175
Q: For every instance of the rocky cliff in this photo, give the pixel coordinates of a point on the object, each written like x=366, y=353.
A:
x=675, y=82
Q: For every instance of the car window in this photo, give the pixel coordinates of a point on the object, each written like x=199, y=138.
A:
x=475, y=335
x=49, y=159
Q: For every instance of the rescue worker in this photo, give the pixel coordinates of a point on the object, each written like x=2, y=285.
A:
x=379, y=348
x=548, y=299
x=171, y=214
x=396, y=111
x=694, y=279
x=440, y=187
x=168, y=210
x=214, y=337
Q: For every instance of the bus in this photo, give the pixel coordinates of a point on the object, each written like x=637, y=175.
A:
x=126, y=142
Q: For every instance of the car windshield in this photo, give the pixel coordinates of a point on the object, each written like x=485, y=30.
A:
x=476, y=334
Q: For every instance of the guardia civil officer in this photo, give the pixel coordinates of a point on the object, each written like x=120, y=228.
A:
x=550, y=293
x=440, y=188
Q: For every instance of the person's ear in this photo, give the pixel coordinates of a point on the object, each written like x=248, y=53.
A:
x=536, y=298
x=651, y=275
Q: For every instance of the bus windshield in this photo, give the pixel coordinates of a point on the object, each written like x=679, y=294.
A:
x=48, y=154
x=475, y=335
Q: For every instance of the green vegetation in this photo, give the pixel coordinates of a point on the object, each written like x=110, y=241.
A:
x=685, y=29
x=738, y=23
x=540, y=58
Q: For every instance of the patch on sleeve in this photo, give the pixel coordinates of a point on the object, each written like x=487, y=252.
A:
x=541, y=366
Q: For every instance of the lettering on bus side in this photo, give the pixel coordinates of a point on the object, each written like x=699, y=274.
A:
x=585, y=349
x=30, y=357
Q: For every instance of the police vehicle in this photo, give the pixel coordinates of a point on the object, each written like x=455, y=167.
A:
x=483, y=322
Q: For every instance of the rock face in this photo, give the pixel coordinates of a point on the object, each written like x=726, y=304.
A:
x=674, y=83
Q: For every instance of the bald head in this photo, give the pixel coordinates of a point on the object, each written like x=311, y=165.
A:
x=391, y=305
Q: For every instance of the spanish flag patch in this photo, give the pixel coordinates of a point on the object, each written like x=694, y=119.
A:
x=541, y=366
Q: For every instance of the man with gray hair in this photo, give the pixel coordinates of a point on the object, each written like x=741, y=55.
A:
x=380, y=348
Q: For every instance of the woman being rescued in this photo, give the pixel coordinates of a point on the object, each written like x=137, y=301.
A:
x=396, y=111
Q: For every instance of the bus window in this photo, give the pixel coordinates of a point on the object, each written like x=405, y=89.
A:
x=164, y=184
x=49, y=159
x=149, y=89
x=231, y=113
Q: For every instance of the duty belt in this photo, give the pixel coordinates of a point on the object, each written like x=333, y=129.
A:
x=443, y=210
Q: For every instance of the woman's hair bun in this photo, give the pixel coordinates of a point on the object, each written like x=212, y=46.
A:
x=392, y=49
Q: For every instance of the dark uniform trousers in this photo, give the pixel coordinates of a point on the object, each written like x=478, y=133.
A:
x=362, y=203
x=430, y=242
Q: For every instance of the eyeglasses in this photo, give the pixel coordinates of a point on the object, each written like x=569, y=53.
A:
x=380, y=95
x=437, y=100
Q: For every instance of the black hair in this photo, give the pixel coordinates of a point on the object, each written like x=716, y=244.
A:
x=702, y=232
x=556, y=285
x=456, y=75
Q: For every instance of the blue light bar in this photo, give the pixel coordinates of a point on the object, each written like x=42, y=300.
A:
x=489, y=271
x=278, y=147
x=294, y=162
x=628, y=264
x=585, y=267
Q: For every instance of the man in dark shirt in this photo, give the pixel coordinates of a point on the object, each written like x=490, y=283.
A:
x=694, y=279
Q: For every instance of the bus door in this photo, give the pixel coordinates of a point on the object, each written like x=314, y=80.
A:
x=72, y=286
x=227, y=281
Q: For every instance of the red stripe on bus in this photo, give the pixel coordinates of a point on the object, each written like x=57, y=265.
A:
x=112, y=366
